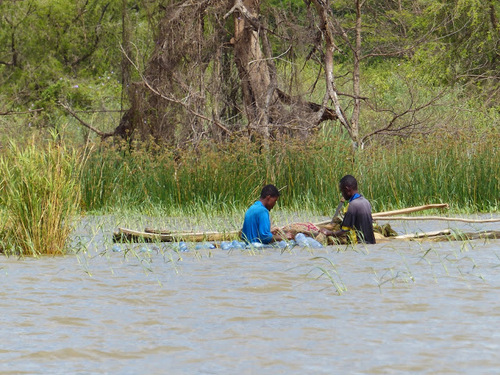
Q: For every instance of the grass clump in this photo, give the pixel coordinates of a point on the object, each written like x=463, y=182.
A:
x=39, y=196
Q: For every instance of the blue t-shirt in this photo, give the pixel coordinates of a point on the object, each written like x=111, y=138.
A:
x=257, y=224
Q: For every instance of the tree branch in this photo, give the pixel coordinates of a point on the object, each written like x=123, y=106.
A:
x=100, y=133
x=174, y=100
x=238, y=6
x=396, y=116
x=12, y=113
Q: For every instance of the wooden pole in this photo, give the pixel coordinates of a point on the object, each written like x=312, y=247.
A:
x=437, y=218
x=410, y=209
x=399, y=212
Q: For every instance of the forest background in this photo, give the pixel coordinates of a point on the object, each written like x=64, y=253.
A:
x=182, y=107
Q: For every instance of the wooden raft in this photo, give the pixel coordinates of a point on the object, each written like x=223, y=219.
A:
x=163, y=235
x=129, y=235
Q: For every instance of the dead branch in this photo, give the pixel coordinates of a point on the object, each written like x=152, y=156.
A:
x=100, y=133
x=327, y=30
x=411, y=110
x=13, y=113
x=173, y=100
x=238, y=6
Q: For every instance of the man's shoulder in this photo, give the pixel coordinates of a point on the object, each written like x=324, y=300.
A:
x=257, y=207
x=362, y=199
x=360, y=202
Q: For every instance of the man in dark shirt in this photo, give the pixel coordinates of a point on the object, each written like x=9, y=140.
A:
x=358, y=223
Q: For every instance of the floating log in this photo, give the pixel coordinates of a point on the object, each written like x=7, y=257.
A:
x=448, y=235
x=234, y=233
x=411, y=209
x=412, y=236
x=464, y=220
x=129, y=235
x=399, y=212
x=460, y=236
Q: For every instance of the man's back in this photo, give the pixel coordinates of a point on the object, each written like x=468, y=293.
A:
x=257, y=224
x=359, y=217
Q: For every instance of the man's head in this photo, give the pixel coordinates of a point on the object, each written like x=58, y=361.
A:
x=269, y=195
x=348, y=186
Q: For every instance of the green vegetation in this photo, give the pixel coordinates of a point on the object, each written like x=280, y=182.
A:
x=40, y=197
x=220, y=179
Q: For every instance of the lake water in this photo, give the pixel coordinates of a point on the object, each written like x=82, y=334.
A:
x=392, y=308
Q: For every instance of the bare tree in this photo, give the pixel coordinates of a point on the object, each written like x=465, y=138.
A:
x=187, y=89
x=213, y=73
x=403, y=119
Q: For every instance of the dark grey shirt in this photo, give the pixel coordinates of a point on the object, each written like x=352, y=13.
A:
x=359, y=218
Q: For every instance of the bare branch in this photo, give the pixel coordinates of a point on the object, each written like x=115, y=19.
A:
x=173, y=100
x=12, y=113
x=100, y=133
x=238, y=6
x=412, y=111
x=326, y=26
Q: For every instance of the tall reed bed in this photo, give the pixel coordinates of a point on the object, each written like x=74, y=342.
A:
x=40, y=197
x=451, y=169
x=228, y=177
x=215, y=178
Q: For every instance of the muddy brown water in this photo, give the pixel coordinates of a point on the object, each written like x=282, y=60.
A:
x=393, y=308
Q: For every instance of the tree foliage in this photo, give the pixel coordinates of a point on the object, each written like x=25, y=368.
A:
x=178, y=62
x=466, y=43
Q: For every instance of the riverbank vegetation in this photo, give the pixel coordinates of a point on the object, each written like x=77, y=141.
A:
x=190, y=107
x=40, y=197
x=228, y=177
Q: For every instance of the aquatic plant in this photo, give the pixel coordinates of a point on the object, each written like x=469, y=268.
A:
x=40, y=194
x=212, y=179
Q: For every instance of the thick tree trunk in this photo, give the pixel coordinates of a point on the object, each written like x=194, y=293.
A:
x=176, y=101
x=252, y=66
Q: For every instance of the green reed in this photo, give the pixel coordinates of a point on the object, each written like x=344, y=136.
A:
x=40, y=197
x=458, y=171
x=224, y=178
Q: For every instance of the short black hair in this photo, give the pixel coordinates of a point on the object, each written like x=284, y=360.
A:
x=269, y=190
x=348, y=181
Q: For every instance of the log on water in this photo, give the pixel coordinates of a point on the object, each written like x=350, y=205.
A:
x=129, y=235
x=197, y=236
x=411, y=209
x=459, y=236
x=448, y=235
x=464, y=220
x=412, y=236
x=167, y=231
x=402, y=211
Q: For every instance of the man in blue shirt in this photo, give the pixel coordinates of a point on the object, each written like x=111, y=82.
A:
x=257, y=223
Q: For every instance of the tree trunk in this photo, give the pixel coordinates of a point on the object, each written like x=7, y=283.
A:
x=126, y=50
x=327, y=29
x=356, y=78
x=253, y=69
